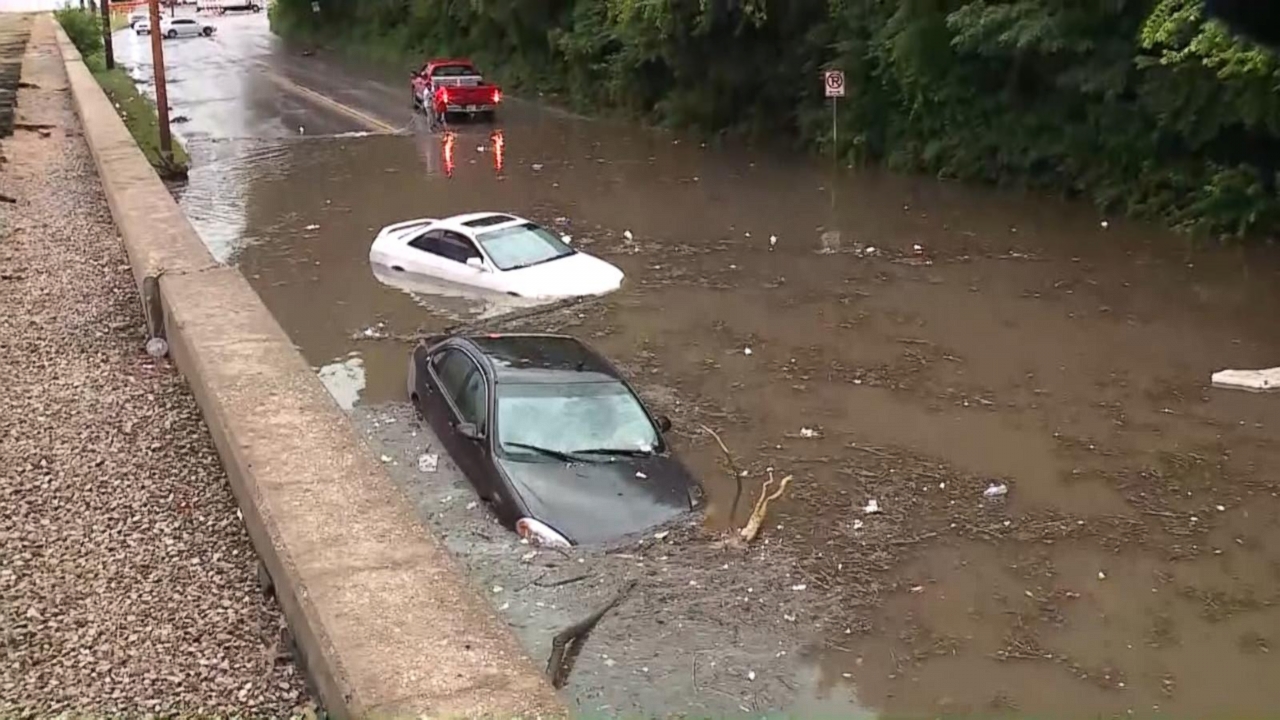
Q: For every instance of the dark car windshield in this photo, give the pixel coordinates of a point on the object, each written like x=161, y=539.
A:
x=522, y=245
x=453, y=71
x=573, y=417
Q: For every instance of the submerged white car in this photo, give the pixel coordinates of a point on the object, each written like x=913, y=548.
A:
x=494, y=252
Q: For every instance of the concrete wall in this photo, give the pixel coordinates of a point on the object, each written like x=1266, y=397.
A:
x=386, y=622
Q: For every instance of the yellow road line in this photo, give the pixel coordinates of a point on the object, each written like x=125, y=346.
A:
x=368, y=121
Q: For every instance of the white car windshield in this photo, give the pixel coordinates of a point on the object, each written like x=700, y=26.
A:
x=573, y=418
x=522, y=245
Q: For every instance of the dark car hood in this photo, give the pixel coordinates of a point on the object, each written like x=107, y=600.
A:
x=601, y=501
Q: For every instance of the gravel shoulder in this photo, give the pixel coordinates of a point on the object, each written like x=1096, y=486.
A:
x=127, y=581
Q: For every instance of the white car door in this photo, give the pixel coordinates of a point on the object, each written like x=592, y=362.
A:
x=190, y=28
x=439, y=254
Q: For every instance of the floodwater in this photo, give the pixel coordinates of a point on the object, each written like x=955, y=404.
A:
x=876, y=337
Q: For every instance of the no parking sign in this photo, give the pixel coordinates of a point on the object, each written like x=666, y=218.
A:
x=833, y=83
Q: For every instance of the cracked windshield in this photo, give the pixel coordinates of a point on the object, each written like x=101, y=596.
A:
x=733, y=358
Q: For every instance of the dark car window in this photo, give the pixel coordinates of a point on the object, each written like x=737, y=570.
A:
x=573, y=417
x=452, y=367
x=453, y=70
x=473, y=402
x=446, y=244
x=462, y=381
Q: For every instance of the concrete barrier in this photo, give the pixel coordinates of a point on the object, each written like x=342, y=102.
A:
x=385, y=622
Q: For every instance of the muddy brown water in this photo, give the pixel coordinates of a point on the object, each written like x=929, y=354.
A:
x=987, y=336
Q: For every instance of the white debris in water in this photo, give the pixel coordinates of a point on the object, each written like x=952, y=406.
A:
x=497, y=589
x=799, y=587
x=869, y=251
x=627, y=234
x=773, y=241
x=386, y=458
x=746, y=351
x=994, y=491
x=1102, y=575
x=641, y=475
x=1251, y=380
x=872, y=507
x=1221, y=508
x=428, y=462
x=809, y=433
x=857, y=524
x=312, y=227
x=1105, y=224
x=661, y=535
x=536, y=166
x=751, y=675
x=473, y=505
x=301, y=130
x=610, y=662
x=505, y=606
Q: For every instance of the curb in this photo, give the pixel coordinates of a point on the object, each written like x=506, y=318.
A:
x=385, y=622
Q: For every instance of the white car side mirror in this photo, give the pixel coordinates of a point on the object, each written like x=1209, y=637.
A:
x=476, y=263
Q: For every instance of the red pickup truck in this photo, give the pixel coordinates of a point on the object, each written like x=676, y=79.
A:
x=453, y=86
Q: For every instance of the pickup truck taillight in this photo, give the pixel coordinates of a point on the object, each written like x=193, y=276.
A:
x=444, y=95
x=497, y=96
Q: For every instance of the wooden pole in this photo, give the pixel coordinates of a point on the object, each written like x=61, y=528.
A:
x=162, y=94
x=108, y=51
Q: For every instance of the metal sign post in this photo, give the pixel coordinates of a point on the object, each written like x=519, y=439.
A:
x=833, y=86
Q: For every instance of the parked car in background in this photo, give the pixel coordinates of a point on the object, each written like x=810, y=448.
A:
x=551, y=435
x=138, y=16
x=142, y=26
x=493, y=252
x=442, y=87
x=185, y=27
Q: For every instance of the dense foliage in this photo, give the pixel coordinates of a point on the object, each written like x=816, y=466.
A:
x=83, y=28
x=1142, y=105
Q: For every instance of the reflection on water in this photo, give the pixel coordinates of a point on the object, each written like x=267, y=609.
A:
x=452, y=300
x=344, y=379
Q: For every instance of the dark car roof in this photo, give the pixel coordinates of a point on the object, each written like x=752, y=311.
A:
x=542, y=359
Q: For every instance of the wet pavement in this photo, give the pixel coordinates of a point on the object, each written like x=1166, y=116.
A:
x=911, y=342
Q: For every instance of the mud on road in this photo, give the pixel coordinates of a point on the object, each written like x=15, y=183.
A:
x=910, y=342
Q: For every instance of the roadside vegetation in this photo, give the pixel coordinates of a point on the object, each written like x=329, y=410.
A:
x=136, y=110
x=1143, y=107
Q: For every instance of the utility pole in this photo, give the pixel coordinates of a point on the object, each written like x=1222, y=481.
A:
x=108, y=51
x=162, y=94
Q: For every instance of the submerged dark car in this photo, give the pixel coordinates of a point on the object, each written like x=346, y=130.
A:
x=551, y=435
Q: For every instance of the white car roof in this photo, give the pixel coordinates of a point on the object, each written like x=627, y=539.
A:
x=458, y=223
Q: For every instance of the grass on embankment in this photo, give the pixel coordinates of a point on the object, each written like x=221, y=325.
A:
x=139, y=115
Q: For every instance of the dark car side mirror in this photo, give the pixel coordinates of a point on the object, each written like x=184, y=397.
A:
x=664, y=423
x=469, y=431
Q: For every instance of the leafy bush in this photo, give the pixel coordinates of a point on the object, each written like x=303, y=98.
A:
x=84, y=29
x=1144, y=106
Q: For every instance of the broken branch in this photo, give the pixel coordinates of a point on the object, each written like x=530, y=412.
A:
x=560, y=664
x=752, y=528
x=733, y=468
